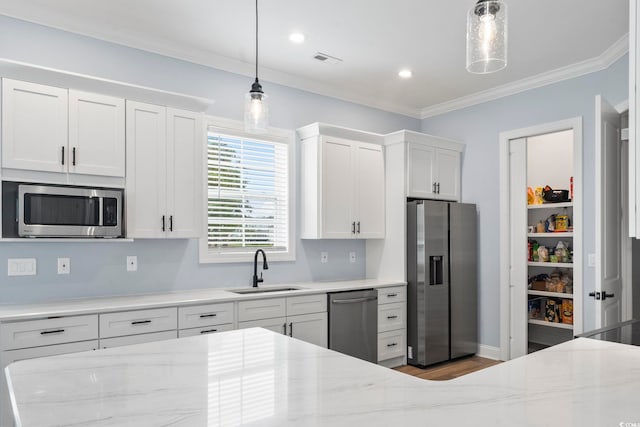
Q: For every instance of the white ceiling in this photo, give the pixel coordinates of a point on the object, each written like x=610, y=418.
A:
x=375, y=38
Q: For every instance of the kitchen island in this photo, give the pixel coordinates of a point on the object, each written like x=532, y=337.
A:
x=256, y=377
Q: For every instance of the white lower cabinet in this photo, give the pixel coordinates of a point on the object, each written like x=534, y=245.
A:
x=138, y=322
x=28, y=339
x=392, y=326
x=302, y=317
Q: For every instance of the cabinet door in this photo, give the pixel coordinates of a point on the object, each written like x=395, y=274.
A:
x=420, y=171
x=448, y=181
x=185, y=181
x=369, y=191
x=34, y=126
x=337, y=189
x=276, y=324
x=146, y=171
x=96, y=134
x=311, y=328
x=137, y=339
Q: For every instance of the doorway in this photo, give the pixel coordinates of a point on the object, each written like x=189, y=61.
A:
x=527, y=314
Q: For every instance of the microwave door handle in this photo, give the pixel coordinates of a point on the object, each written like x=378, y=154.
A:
x=101, y=211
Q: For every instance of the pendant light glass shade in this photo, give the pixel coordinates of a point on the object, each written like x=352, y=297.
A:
x=256, y=109
x=487, y=37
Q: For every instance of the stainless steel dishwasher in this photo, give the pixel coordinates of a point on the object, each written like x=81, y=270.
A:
x=353, y=323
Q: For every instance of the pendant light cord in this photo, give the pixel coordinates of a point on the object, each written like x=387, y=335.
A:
x=256, y=40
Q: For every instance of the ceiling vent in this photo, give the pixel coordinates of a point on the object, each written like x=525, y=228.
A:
x=328, y=59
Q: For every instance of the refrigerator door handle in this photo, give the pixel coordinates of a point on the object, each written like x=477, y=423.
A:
x=435, y=272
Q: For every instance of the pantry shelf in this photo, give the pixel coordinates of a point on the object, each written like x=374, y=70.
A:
x=550, y=324
x=554, y=234
x=550, y=264
x=550, y=294
x=551, y=205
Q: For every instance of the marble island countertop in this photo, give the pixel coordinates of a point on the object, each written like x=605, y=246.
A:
x=10, y=312
x=256, y=377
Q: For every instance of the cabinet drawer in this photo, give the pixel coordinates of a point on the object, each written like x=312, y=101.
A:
x=278, y=324
x=137, y=339
x=261, y=309
x=306, y=304
x=138, y=322
x=34, y=333
x=392, y=316
x=204, y=315
x=389, y=295
x=391, y=344
x=203, y=331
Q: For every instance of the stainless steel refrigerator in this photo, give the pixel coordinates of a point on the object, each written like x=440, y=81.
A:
x=442, y=307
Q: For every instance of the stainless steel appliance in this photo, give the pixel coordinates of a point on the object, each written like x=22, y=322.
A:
x=442, y=281
x=38, y=210
x=353, y=323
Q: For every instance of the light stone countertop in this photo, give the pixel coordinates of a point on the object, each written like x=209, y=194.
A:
x=259, y=378
x=70, y=307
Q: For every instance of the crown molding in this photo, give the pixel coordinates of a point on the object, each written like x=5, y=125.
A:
x=605, y=60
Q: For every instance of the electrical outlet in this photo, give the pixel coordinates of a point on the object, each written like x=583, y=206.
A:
x=21, y=267
x=324, y=257
x=132, y=263
x=64, y=265
x=352, y=257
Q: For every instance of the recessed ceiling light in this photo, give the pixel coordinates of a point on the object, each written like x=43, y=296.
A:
x=405, y=74
x=297, y=38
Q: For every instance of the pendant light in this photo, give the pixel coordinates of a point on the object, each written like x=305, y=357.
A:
x=256, y=109
x=487, y=37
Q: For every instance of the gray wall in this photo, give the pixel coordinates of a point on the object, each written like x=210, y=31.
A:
x=479, y=127
x=98, y=269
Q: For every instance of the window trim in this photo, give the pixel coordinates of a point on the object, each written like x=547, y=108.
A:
x=236, y=128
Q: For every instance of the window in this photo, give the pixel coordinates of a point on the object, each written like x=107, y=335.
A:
x=249, y=194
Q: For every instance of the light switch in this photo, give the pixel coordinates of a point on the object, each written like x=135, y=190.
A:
x=21, y=267
x=64, y=265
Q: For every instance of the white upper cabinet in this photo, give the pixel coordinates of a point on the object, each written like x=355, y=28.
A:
x=96, y=134
x=34, y=126
x=343, y=186
x=164, y=180
x=50, y=129
x=433, y=172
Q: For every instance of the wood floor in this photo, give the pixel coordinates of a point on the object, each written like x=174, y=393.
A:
x=449, y=370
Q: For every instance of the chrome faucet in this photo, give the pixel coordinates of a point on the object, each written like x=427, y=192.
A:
x=265, y=266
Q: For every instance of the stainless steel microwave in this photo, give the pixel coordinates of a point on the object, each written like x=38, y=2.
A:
x=62, y=211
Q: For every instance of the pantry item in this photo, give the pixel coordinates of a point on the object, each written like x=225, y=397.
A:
x=562, y=223
x=543, y=254
x=552, y=310
x=567, y=311
x=538, y=200
x=550, y=224
x=555, y=196
x=540, y=227
x=531, y=197
x=535, y=307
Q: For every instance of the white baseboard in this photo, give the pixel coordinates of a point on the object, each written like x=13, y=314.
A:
x=489, y=352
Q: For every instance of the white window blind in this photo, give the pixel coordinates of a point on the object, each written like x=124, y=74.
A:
x=248, y=194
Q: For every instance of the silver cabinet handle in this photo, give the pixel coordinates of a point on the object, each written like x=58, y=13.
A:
x=291, y=329
x=55, y=331
x=353, y=300
x=202, y=316
x=141, y=322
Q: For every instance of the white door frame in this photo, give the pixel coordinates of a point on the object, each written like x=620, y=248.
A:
x=574, y=124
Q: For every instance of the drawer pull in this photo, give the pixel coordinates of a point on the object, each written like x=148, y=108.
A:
x=208, y=331
x=140, y=322
x=55, y=331
x=202, y=316
x=393, y=344
x=391, y=295
x=392, y=317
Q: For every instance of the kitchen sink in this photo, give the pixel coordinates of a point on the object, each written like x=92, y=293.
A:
x=262, y=290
